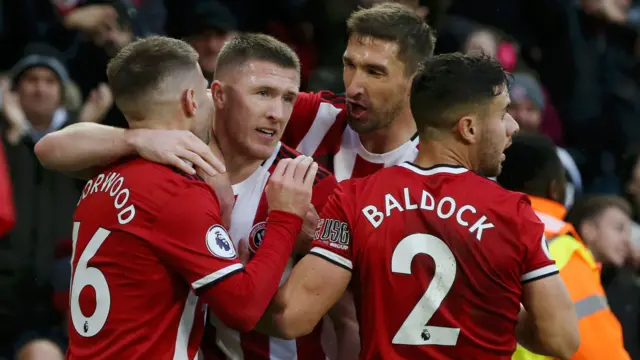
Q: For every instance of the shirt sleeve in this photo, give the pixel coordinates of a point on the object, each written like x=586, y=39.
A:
x=538, y=263
x=322, y=189
x=314, y=117
x=189, y=236
x=332, y=239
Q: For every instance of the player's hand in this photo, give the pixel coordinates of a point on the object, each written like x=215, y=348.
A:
x=98, y=103
x=90, y=18
x=222, y=186
x=244, y=254
x=305, y=238
x=173, y=147
x=290, y=185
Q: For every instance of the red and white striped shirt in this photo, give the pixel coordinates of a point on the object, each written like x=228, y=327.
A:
x=248, y=220
x=318, y=127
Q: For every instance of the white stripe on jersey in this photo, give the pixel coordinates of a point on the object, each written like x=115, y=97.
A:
x=434, y=170
x=541, y=272
x=249, y=192
x=332, y=256
x=325, y=118
x=184, y=328
x=350, y=148
x=215, y=276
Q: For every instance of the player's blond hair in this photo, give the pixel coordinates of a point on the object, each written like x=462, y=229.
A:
x=140, y=70
x=247, y=47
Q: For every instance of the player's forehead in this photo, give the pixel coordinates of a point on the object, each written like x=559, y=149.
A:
x=502, y=100
x=257, y=73
x=368, y=50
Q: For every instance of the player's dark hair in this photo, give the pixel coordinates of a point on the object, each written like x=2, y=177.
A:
x=531, y=164
x=451, y=86
x=399, y=24
x=249, y=46
x=590, y=207
x=141, y=67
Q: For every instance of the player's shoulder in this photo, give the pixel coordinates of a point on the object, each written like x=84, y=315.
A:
x=491, y=193
x=155, y=181
x=324, y=103
x=322, y=96
x=286, y=152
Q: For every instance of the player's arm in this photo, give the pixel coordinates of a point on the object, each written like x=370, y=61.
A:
x=80, y=150
x=549, y=326
x=345, y=323
x=343, y=313
x=318, y=281
x=191, y=239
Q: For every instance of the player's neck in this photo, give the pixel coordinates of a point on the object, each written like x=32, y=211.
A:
x=158, y=124
x=434, y=153
x=399, y=131
x=239, y=167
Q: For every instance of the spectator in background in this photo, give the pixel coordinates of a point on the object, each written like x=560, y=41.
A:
x=631, y=189
x=40, y=350
x=206, y=26
x=527, y=107
x=604, y=223
x=532, y=166
x=33, y=105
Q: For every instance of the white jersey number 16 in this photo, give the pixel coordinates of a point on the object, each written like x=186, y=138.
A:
x=83, y=276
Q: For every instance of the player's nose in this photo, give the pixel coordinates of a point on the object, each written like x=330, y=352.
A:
x=355, y=87
x=512, y=125
x=275, y=111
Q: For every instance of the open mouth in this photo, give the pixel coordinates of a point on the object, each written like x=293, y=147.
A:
x=266, y=132
x=356, y=109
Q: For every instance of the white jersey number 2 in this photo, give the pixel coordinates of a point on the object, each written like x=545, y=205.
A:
x=83, y=276
x=414, y=330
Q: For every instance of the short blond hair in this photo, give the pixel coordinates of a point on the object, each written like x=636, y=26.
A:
x=140, y=68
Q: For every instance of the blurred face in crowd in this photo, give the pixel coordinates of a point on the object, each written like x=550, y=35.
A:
x=633, y=186
x=376, y=85
x=253, y=106
x=208, y=45
x=40, y=92
x=609, y=236
x=527, y=114
x=481, y=42
x=497, y=127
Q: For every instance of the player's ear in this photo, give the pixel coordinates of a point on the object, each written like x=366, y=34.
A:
x=217, y=92
x=587, y=231
x=189, y=102
x=469, y=129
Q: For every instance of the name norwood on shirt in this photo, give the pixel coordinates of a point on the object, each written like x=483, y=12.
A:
x=445, y=208
x=111, y=184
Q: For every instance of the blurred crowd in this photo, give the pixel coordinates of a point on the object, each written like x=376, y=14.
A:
x=576, y=79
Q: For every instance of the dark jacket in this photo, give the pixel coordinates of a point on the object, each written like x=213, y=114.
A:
x=44, y=203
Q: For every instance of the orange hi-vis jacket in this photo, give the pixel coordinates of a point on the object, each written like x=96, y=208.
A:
x=600, y=330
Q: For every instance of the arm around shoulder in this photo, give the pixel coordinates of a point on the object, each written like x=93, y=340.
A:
x=80, y=149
